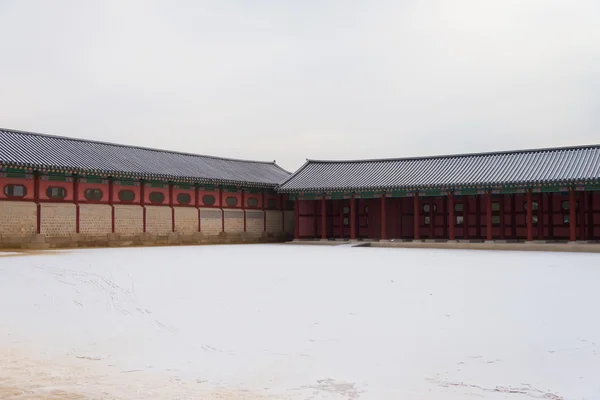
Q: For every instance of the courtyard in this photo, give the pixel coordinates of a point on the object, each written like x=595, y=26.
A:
x=275, y=321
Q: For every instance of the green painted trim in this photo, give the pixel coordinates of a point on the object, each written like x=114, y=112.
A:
x=126, y=182
x=399, y=193
x=207, y=187
x=591, y=188
x=365, y=195
x=432, y=193
x=337, y=195
x=57, y=177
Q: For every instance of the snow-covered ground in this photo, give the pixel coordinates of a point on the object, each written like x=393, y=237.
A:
x=299, y=322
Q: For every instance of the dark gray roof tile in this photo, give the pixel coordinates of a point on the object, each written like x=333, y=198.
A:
x=524, y=167
x=35, y=150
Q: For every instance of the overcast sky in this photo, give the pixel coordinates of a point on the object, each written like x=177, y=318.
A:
x=290, y=80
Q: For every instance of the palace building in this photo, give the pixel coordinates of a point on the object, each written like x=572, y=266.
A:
x=58, y=191
x=545, y=195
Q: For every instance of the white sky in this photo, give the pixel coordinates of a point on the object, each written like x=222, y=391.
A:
x=290, y=80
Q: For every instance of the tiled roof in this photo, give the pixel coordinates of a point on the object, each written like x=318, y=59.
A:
x=525, y=167
x=34, y=150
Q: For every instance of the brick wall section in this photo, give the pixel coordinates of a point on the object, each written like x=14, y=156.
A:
x=128, y=219
x=234, y=221
x=186, y=219
x=255, y=222
x=273, y=221
x=210, y=221
x=18, y=218
x=95, y=219
x=158, y=220
x=289, y=222
x=58, y=219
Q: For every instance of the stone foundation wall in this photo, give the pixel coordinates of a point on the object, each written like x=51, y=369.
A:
x=274, y=221
x=129, y=220
x=95, y=219
x=58, y=219
x=234, y=221
x=255, y=222
x=159, y=220
x=210, y=221
x=186, y=219
x=18, y=218
x=18, y=225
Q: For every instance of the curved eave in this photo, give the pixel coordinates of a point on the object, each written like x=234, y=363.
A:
x=483, y=185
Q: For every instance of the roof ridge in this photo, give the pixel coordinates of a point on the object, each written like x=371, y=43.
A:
x=137, y=147
x=460, y=155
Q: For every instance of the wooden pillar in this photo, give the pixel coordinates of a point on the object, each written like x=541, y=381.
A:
x=244, y=207
x=590, y=215
x=478, y=216
x=529, y=217
x=550, y=216
x=417, y=216
x=383, y=219
x=323, y=218
x=222, y=209
x=171, y=204
x=341, y=203
x=36, y=199
x=582, y=207
x=296, y=219
x=142, y=203
x=513, y=216
x=488, y=223
x=76, y=201
x=466, y=210
x=451, y=217
x=352, y=218
x=540, y=213
x=264, y=208
x=572, y=216
x=502, y=219
x=111, y=191
x=197, y=203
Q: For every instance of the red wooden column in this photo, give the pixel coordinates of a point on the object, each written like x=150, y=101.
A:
x=383, y=218
x=36, y=199
x=244, y=207
x=341, y=203
x=417, y=216
x=171, y=204
x=582, y=209
x=572, y=216
x=197, y=203
x=76, y=201
x=502, y=219
x=451, y=217
x=352, y=218
x=296, y=219
x=323, y=218
x=488, y=222
x=143, y=203
x=529, y=217
x=111, y=190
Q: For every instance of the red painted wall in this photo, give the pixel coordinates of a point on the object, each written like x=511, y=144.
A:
x=215, y=193
x=82, y=187
x=190, y=192
x=117, y=187
x=148, y=190
x=45, y=184
x=237, y=195
x=257, y=196
x=28, y=183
